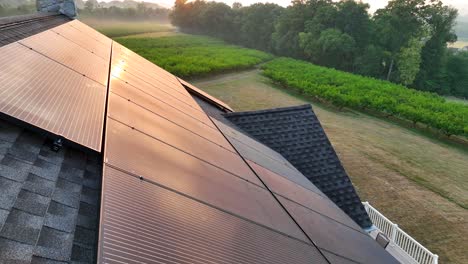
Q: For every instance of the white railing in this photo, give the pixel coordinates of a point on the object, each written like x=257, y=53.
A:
x=400, y=238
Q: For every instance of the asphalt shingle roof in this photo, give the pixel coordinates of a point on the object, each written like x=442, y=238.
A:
x=50, y=200
x=297, y=134
x=19, y=27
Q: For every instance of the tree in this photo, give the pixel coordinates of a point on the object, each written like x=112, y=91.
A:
x=90, y=5
x=440, y=25
x=258, y=24
x=396, y=25
x=409, y=60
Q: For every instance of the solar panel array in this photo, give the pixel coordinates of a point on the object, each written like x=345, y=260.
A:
x=57, y=81
x=178, y=187
x=338, y=237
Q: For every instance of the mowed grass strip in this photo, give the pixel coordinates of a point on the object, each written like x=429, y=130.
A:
x=190, y=55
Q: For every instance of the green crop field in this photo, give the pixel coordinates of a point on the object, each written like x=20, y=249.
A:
x=115, y=29
x=354, y=91
x=189, y=55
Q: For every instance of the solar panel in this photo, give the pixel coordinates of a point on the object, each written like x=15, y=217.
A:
x=84, y=40
x=90, y=32
x=145, y=223
x=167, y=109
x=337, y=238
x=142, y=68
x=152, y=88
x=72, y=55
x=142, y=155
x=255, y=146
x=250, y=150
x=305, y=197
x=45, y=94
x=176, y=136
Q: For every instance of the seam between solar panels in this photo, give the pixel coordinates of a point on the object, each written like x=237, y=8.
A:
x=274, y=197
x=85, y=32
x=336, y=254
x=257, y=150
x=42, y=54
x=164, y=103
x=181, y=150
x=360, y=231
x=92, y=52
x=322, y=214
x=202, y=202
x=201, y=111
x=178, y=82
x=173, y=122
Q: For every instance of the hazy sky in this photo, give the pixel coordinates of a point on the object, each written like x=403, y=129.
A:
x=461, y=5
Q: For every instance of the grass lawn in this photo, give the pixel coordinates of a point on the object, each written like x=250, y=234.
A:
x=190, y=55
x=391, y=166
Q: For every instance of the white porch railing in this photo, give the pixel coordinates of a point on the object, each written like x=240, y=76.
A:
x=400, y=238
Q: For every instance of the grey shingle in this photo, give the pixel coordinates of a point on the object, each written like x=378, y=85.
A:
x=39, y=185
x=14, y=169
x=54, y=244
x=15, y=252
x=14, y=29
x=45, y=169
x=67, y=193
x=22, y=227
x=61, y=217
x=71, y=174
x=9, y=191
x=34, y=228
x=32, y=203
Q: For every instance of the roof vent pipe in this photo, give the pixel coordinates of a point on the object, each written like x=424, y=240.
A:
x=65, y=7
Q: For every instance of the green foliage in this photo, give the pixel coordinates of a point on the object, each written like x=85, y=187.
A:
x=188, y=56
x=405, y=42
x=409, y=60
x=134, y=11
x=115, y=29
x=354, y=91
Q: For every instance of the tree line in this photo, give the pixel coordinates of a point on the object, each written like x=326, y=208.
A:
x=92, y=8
x=405, y=42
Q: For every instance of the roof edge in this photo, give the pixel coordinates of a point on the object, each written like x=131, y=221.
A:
x=272, y=110
x=205, y=96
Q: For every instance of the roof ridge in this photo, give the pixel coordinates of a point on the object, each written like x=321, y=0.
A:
x=271, y=110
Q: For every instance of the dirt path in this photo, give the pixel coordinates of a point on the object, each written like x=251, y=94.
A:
x=416, y=181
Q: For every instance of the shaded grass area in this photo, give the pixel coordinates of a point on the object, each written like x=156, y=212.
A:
x=190, y=55
x=405, y=174
x=113, y=28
